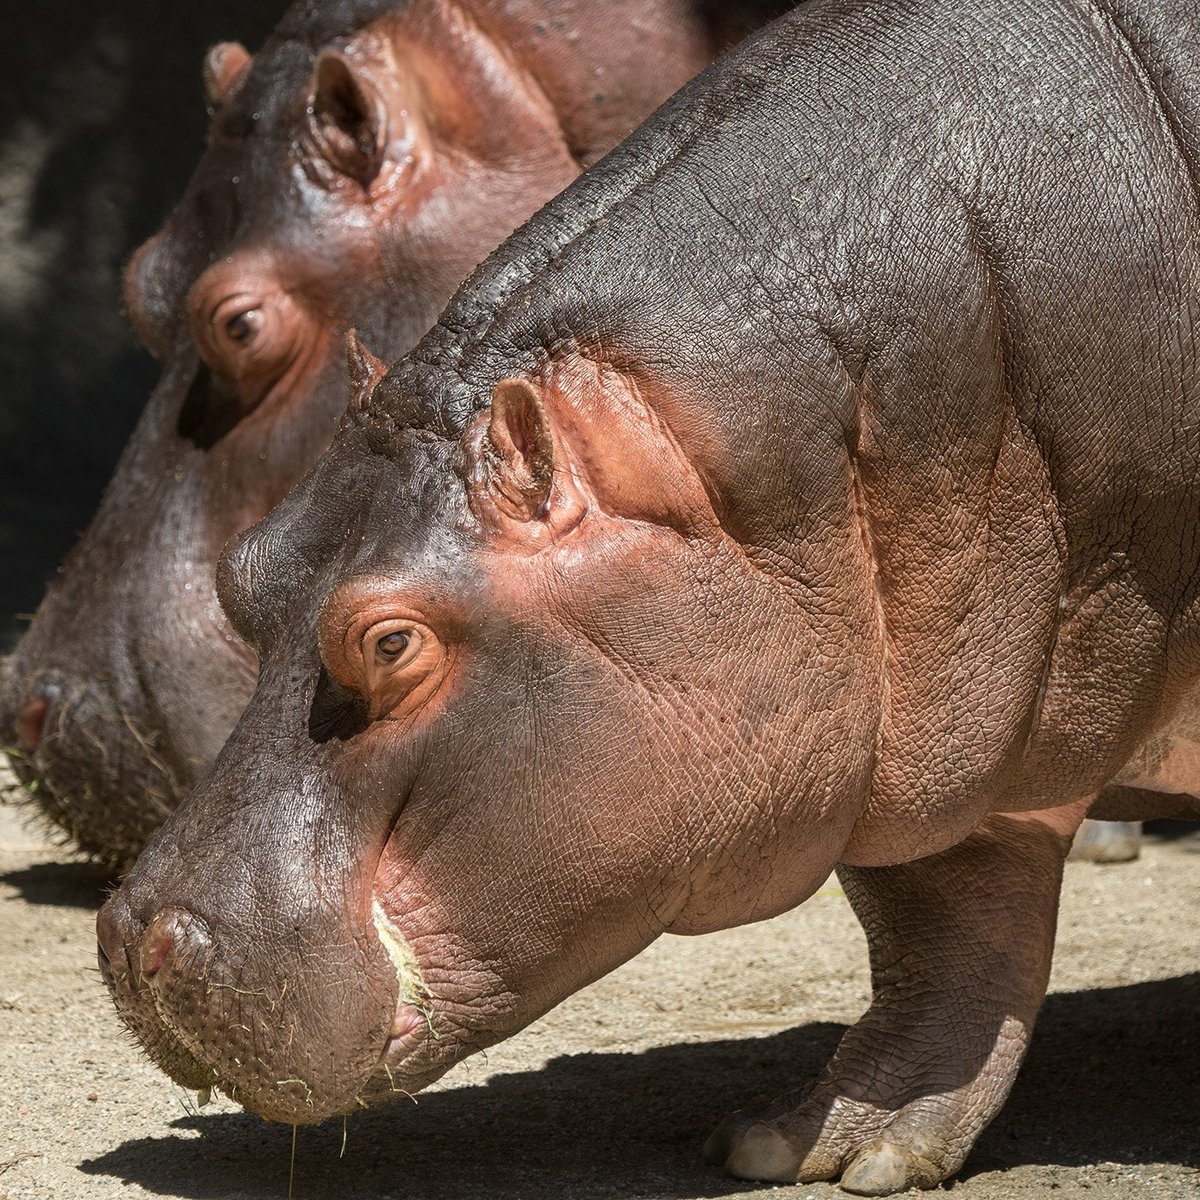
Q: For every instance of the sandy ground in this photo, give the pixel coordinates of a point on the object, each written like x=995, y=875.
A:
x=611, y=1095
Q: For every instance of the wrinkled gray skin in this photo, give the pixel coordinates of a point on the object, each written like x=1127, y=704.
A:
x=359, y=166
x=815, y=483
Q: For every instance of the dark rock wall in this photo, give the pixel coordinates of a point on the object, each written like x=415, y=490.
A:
x=101, y=120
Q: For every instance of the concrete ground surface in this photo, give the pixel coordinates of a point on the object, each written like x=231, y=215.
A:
x=612, y=1094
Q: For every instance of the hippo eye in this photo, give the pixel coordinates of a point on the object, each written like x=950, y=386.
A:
x=243, y=327
x=391, y=646
x=391, y=659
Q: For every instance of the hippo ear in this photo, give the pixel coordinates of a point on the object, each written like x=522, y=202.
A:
x=365, y=371
x=347, y=119
x=521, y=450
x=224, y=65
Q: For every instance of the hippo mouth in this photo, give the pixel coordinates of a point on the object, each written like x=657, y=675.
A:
x=414, y=1002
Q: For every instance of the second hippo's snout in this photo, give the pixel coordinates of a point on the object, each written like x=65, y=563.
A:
x=28, y=708
x=70, y=742
x=22, y=718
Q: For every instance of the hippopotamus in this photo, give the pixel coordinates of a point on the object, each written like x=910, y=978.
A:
x=813, y=485
x=359, y=167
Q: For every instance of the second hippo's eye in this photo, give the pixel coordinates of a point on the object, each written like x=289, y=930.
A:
x=391, y=646
x=243, y=327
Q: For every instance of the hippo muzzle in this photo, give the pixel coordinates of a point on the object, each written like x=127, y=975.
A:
x=267, y=980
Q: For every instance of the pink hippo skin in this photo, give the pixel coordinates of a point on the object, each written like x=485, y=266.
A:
x=815, y=483
x=359, y=166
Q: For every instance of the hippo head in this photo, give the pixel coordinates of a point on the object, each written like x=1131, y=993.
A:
x=524, y=704
x=351, y=179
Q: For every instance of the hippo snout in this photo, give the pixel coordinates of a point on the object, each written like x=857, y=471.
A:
x=111, y=943
x=26, y=709
x=288, y=1014
x=71, y=742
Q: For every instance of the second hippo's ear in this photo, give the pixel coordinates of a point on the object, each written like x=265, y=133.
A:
x=224, y=65
x=520, y=450
x=365, y=371
x=347, y=119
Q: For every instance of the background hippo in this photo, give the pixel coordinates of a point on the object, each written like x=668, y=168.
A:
x=814, y=483
x=358, y=168
x=100, y=127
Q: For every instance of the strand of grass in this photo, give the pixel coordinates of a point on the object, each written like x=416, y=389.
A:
x=292, y=1166
x=12, y=1162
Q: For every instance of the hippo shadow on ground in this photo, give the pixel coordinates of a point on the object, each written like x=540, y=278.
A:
x=61, y=884
x=1174, y=831
x=1109, y=1079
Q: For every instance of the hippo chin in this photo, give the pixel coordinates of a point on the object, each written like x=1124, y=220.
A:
x=813, y=484
x=358, y=168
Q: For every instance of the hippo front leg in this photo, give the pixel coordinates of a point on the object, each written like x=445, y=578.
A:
x=960, y=947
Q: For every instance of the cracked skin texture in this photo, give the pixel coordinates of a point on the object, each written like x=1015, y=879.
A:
x=813, y=484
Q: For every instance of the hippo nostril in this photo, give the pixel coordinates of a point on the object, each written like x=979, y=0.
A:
x=112, y=926
x=31, y=724
x=157, y=942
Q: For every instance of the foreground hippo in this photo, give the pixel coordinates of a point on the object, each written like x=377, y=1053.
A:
x=815, y=483
x=359, y=167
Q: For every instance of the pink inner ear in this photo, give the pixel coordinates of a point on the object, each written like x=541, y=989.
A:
x=520, y=435
x=519, y=432
x=518, y=420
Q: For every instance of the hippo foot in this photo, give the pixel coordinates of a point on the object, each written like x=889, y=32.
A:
x=1107, y=842
x=870, y=1150
x=960, y=946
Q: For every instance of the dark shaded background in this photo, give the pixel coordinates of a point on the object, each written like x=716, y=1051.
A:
x=102, y=118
